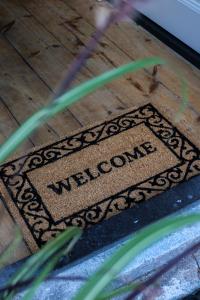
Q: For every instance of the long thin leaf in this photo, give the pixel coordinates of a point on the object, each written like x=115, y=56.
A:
x=138, y=243
x=4, y=257
x=54, y=249
x=67, y=99
x=164, y=269
x=118, y=292
x=49, y=267
x=184, y=95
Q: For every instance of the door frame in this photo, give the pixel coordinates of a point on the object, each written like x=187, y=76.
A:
x=181, y=18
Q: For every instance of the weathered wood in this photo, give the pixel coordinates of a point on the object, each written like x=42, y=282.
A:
x=138, y=43
x=50, y=62
x=21, y=94
x=38, y=41
x=24, y=93
x=58, y=19
x=69, y=25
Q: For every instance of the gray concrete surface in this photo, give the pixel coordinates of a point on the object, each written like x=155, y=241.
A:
x=180, y=281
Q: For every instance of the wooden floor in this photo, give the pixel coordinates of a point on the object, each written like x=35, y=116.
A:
x=38, y=40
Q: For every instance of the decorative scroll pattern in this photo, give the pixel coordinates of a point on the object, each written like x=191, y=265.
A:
x=33, y=210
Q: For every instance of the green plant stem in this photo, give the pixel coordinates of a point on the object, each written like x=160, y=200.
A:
x=51, y=263
x=138, y=243
x=164, y=269
x=44, y=261
x=118, y=292
x=137, y=288
x=10, y=248
x=185, y=97
x=68, y=99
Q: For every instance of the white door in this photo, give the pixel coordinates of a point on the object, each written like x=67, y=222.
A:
x=179, y=17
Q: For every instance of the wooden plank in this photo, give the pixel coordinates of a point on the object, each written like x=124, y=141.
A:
x=14, y=89
x=28, y=36
x=58, y=19
x=8, y=124
x=138, y=43
x=23, y=92
x=52, y=12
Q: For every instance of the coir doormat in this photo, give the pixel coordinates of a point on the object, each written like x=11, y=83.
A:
x=95, y=173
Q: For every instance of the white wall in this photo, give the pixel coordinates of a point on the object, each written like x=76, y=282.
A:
x=179, y=17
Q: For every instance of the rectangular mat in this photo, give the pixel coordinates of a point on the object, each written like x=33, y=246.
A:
x=96, y=173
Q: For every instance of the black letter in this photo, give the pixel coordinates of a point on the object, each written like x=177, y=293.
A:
x=118, y=161
x=61, y=185
x=80, y=180
x=148, y=148
x=100, y=167
x=134, y=155
x=91, y=176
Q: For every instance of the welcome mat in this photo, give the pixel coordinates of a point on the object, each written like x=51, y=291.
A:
x=96, y=173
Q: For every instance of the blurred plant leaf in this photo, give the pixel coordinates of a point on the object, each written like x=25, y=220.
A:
x=7, y=253
x=44, y=261
x=118, y=292
x=185, y=97
x=138, y=243
x=67, y=99
x=49, y=267
x=138, y=287
x=51, y=253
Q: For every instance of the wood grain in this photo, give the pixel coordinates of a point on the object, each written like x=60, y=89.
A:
x=38, y=41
